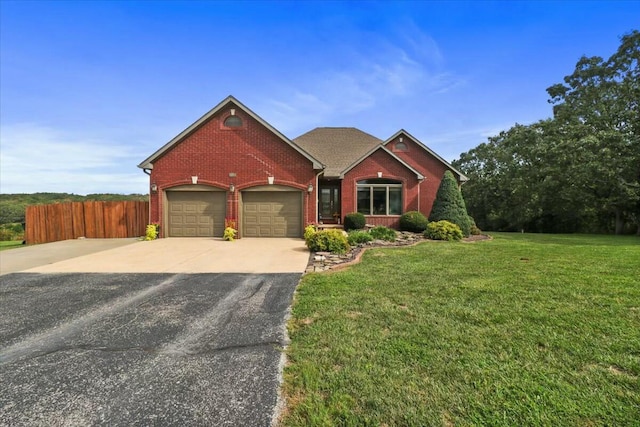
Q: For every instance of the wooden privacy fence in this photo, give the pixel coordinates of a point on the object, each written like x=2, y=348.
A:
x=62, y=221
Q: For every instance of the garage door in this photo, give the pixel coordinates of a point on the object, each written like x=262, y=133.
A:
x=272, y=213
x=196, y=213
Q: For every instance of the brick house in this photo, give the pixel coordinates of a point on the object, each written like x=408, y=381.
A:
x=231, y=163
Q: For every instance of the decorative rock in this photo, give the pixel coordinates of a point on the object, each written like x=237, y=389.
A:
x=323, y=261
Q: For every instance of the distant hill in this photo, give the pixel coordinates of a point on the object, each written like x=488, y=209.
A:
x=12, y=206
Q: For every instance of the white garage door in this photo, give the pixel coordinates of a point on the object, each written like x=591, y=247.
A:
x=196, y=213
x=272, y=213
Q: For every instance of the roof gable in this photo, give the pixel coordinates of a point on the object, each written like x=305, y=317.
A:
x=148, y=162
x=419, y=176
x=404, y=133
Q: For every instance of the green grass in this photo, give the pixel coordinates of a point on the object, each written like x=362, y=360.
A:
x=523, y=330
x=10, y=244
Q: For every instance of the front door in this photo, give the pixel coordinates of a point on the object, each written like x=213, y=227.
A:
x=329, y=204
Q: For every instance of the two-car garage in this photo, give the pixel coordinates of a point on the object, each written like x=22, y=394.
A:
x=200, y=211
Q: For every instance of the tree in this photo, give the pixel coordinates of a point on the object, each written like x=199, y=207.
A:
x=580, y=170
x=449, y=204
x=598, y=105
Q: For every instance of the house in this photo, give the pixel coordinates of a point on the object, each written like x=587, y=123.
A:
x=232, y=164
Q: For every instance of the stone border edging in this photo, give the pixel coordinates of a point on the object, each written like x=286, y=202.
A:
x=358, y=252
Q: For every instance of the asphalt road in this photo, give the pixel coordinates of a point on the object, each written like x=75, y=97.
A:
x=142, y=349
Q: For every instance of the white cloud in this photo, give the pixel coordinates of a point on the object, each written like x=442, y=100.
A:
x=380, y=72
x=34, y=158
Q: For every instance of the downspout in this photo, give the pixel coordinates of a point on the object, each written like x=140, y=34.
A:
x=420, y=181
x=148, y=172
x=316, y=200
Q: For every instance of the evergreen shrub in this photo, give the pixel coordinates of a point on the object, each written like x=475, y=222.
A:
x=413, y=221
x=449, y=204
x=354, y=221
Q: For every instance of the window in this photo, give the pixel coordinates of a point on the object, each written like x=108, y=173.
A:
x=233, y=122
x=379, y=197
x=400, y=146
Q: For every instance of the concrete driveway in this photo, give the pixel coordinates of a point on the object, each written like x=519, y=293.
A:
x=147, y=333
x=173, y=255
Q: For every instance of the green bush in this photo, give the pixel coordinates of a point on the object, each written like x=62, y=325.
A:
x=6, y=235
x=449, y=204
x=309, y=231
x=151, y=232
x=359, y=236
x=413, y=221
x=474, y=230
x=11, y=231
x=230, y=234
x=328, y=240
x=354, y=221
x=383, y=233
x=443, y=230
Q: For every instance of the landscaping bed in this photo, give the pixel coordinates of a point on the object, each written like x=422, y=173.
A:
x=323, y=261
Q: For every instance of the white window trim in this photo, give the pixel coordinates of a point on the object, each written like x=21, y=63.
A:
x=385, y=186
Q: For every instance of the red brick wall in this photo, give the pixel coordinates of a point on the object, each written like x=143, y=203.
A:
x=213, y=151
x=381, y=161
x=429, y=166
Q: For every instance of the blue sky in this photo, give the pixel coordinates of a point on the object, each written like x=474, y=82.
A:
x=90, y=89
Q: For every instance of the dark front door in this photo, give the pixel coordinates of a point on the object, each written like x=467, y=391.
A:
x=329, y=203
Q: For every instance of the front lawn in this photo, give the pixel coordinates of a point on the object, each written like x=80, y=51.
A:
x=521, y=330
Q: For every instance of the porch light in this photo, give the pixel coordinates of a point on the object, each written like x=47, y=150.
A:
x=310, y=188
x=232, y=188
x=154, y=187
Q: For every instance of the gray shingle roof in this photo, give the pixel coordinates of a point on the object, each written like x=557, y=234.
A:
x=337, y=147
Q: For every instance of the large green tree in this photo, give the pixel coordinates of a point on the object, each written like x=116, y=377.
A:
x=597, y=106
x=580, y=170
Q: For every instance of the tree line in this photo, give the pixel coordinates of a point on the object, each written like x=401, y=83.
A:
x=578, y=171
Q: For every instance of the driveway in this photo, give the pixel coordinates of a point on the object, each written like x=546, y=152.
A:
x=133, y=348
x=173, y=255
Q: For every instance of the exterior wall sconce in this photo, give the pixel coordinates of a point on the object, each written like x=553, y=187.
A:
x=154, y=187
x=379, y=174
x=194, y=179
x=270, y=180
x=232, y=188
x=310, y=188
